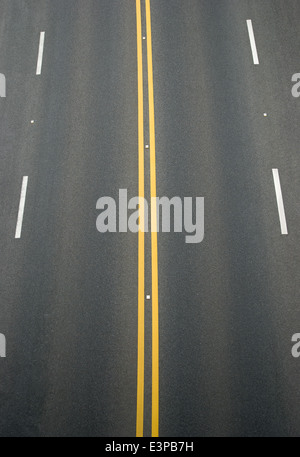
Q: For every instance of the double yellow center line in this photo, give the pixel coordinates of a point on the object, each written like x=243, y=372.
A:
x=141, y=235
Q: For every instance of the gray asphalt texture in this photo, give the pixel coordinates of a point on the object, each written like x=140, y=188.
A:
x=228, y=307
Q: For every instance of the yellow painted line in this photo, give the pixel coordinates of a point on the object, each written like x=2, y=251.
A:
x=141, y=234
x=155, y=322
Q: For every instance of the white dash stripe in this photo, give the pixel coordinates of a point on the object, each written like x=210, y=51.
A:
x=21, y=207
x=252, y=42
x=40, y=55
x=282, y=218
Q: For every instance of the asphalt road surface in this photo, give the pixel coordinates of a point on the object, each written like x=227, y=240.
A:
x=125, y=334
